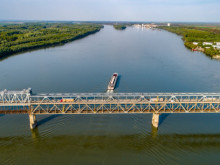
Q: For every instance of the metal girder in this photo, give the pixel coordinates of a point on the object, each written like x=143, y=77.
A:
x=15, y=97
x=126, y=108
x=93, y=103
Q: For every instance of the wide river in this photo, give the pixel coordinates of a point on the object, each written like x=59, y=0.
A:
x=147, y=61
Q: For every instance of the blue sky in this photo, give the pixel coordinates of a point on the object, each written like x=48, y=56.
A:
x=111, y=10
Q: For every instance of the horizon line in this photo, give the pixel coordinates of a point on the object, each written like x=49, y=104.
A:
x=18, y=20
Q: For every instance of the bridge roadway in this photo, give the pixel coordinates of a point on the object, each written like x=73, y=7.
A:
x=107, y=103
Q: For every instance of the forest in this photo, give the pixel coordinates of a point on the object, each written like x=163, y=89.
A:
x=198, y=34
x=16, y=38
x=120, y=27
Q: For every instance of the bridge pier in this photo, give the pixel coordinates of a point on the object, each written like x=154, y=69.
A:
x=33, y=121
x=155, y=120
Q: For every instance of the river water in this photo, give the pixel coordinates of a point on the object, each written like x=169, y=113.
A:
x=147, y=61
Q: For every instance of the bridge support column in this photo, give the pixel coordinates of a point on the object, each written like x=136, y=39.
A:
x=33, y=121
x=155, y=120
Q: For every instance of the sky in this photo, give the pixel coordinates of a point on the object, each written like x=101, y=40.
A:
x=112, y=10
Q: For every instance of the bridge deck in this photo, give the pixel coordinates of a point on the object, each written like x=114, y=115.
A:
x=14, y=102
x=106, y=103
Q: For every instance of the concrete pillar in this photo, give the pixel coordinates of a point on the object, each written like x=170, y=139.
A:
x=33, y=121
x=155, y=120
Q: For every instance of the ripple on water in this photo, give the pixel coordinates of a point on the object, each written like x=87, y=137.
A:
x=98, y=138
x=112, y=139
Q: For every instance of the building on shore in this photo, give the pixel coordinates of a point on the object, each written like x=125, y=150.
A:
x=207, y=43
x=218, y=43
x=148, y=26
x=195, y=43
x=216, y=46
x=137, y=25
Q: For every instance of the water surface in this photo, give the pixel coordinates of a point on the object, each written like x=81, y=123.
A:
x=147, y=61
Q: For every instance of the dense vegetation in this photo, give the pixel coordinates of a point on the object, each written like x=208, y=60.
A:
x=198, y=34
x=120, y=27
x=21, y=37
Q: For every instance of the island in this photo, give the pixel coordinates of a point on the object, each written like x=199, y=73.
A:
x=199, y=38
x=120, y=27
x=16, y=38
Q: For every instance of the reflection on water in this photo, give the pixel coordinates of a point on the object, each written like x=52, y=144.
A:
x=110, y=139
x=35, y=134
x=154, y=132
x=143, y=148
x=150, y=141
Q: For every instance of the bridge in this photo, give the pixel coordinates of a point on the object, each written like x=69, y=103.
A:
x=14, y=102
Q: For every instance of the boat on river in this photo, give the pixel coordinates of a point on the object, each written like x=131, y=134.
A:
x=113, y=81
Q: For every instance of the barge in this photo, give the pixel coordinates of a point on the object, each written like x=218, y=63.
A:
x=112, y=82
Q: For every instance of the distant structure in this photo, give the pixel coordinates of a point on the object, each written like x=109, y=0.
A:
x=168, y=24
x=148, y=26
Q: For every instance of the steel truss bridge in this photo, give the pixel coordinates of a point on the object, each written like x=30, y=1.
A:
x=108, y=103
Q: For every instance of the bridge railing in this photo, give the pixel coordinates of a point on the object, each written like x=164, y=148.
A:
x=138, y=97
x=25, y=96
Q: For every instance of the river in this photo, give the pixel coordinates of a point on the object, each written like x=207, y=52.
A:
x=147, y=61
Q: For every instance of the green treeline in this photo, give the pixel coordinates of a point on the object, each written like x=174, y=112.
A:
x=120, y=27
x=192, y=34
x=21, y=37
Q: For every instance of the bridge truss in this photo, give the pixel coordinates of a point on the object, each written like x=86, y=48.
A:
x=109, y=103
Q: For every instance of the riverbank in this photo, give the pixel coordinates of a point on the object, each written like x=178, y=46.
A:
x=203, y=39
x=24, y=37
